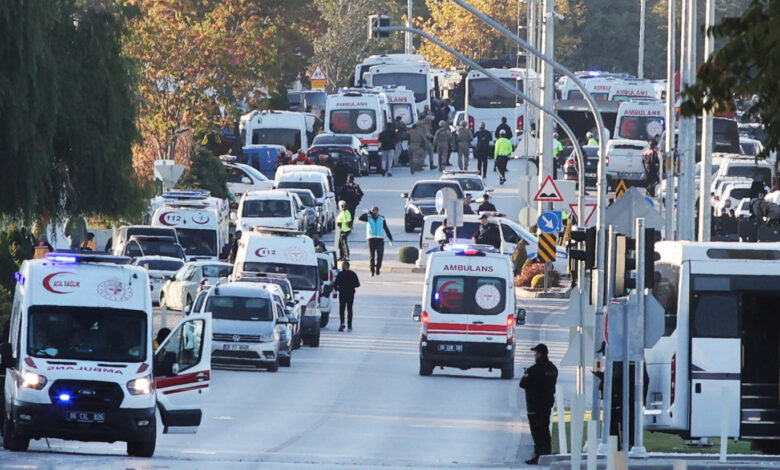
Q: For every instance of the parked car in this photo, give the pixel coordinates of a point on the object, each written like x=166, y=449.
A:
x=181, y=289
x=340, y=147
x=242, y=178
x=160, y=269
x=470, y=182
x=421, y=201
x=314, y=219
x=591, y=165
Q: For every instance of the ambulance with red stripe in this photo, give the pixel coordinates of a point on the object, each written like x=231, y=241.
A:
x=80, y=363
x=468, y=312
x=361, y=112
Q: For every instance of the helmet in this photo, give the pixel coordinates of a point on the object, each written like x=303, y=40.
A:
x=342, y=203
x=502, y=132
x=589, y=135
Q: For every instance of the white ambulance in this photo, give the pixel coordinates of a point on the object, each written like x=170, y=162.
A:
x=80, y=363
x=288, y=252
x=201, y=231
x=639, y=120
x=359, y=112
x=288, y=128
x=401, y=101
x=468, y=311
x=633, y=90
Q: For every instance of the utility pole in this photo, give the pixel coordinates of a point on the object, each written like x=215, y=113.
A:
x=706, y=138
x=548, y=45
x=408, y=38
x=670, y=122
x=640, y=68
x=687, y=138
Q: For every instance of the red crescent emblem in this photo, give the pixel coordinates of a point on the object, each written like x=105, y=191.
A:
x=47, y=283
x=163, y=217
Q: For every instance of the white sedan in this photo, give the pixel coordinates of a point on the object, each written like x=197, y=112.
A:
x=243, y=178
x=160, y=269
x=181, y=290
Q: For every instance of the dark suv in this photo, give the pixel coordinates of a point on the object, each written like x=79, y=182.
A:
x=422, y=201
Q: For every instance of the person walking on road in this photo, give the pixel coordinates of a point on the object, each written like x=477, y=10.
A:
x=352, y=194
x=482, y=150
x=502, y=153
x=539, y=384
x=387, y=141
x=463, y=138
x=426, y=124
x=345, y=284
x=376, y=231
x=486, y=205
x=441, y=142
x=344, y=222
x=508, y=131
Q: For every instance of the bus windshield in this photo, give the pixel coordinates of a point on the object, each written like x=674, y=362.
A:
x=290, y=138
x=484, y=93
x=416, y=82
x=87, y=333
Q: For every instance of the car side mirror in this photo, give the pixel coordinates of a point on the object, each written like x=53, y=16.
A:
x=187, y=309
x=282, y=321
x=490, y=190
x=6, y=356
x=404, y=195
x=417, y=312
x=246, y=180
x=520, y=316
x=292, y=320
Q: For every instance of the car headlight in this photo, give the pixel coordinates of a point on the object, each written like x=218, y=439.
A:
x=33, y=380
x=413, y=209
x=141, y=386
x=268, y=337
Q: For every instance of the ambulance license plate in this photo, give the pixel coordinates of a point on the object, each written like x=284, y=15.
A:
x=85, y=417
x=450, y=348
x=235, y=347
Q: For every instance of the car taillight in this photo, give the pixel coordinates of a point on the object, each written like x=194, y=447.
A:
x=570, y=162
x=674, y=378
x=606, y=160
x=471, y=123
x=520, y=122
x=774, y=183
x=510, y=328
x=424, y=319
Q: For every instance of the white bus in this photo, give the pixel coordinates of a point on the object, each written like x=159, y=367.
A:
x=487, y=102
x=415, y=77
x=363, y=68
x=721, y=341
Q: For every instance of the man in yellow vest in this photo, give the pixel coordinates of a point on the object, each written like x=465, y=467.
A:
x=344, y=223
x=503, y=150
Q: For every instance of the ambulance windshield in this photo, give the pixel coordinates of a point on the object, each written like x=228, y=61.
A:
x=87, y=333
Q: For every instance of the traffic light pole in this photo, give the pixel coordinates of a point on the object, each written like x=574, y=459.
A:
x=577, y=149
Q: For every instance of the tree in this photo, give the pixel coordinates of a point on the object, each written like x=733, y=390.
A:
x=202, y=62
x=206, y=172
x=67, y=101
x=745, y=66
x=343, y=41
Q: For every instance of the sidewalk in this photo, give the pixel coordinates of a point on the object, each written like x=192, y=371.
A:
x=667, y=461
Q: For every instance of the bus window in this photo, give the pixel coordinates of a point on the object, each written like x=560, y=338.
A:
x=715, y=315
x=666, y=292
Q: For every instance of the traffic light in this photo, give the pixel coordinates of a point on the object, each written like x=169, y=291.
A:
x=588, y=253
x=625, y=265
x=651, y=236
x=377, y=21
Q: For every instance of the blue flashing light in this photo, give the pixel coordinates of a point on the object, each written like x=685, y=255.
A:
x=459, y=246
x=436, y=296
x=19, y=278
x=60, y=258
x=594, y=73
x=64, y=397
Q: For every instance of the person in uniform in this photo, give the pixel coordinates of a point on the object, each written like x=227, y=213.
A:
x=539, y=384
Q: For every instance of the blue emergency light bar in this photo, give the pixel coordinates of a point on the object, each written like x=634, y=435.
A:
x=79, y=256
x=187, y=194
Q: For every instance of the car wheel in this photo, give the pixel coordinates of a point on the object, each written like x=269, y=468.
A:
x=324, y=319
x=297, y=341
x=275, y=366
x=408, y=228
x=162, y=300
x=11, y=441
x=285, y=361
x=508, y=371
x=426, y=367
x=314, y=341
x=188, y=304
x=143, y=448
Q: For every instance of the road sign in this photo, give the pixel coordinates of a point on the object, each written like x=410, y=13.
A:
x=548, y=192
x=546, y=248
x=620, y=190
x=550, y=222
x=318, y=78
x=590, y=211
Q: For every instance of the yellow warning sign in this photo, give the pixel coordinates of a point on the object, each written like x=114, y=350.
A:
x=546, y=248
x=620, y=190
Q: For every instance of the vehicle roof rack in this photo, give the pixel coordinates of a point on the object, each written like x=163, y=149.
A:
x=279, y=231
x=460, y=172
x=256, y=276
x=187, y=194
x=85, y=256
x=187, y=204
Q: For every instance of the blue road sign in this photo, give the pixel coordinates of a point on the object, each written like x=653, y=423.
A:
x=550, y=222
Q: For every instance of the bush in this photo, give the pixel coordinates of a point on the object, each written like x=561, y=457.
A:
x=538, y=281
x=531, y=270
x=408, y=254
x=206, y=172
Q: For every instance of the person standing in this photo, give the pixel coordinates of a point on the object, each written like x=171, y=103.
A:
x=352, y=194
x=591, y=140
x=345, y=284
x=376, y=231
x=387, y=149
x=486, y=205
x=502, y=152
x=463, y=138
x=401, y=134
x=467, y=204
x=426, y=124
x=487, y=234
x=417, y=142
x=482, y=150
x=301, y=159
x=76, y=231
x=503, y=127
x=89, y=243
x=344, y=222
x=539, y=384
x=441, y=142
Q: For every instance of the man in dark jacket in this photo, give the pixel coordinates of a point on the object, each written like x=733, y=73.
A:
x=539, y=384
x=486, y=205
x=352, y=194
x=345, y=284
x=487, y=233
x=482, y=150
x=387, y=141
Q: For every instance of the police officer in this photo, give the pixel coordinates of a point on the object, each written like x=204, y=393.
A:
x=539, y=384
x=487, y=234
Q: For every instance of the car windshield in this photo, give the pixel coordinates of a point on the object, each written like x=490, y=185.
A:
x=428, y=190
x=416, y=82
x=138, y=247
x=216, y=270
x=306, y=198
x=468, y=295
x=223, y=307
x=465, y=231
x=739, y=193
x=161, y=264
x=640, y=128
x=353, y=121
x=198, y=242
x=284, y=284
x=313, y=186
x=404, y=111
x=87, y=333
x=485, y=93
x=255, y=173
x=315, y=99
x=266, y=208
x=756, y=173
x=470, y=184
x=290, y=138
x=332, y=140
x=300, y=277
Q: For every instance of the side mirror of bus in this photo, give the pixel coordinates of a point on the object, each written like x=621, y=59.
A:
x=417, y=312
x=520, y=316
x=6, y=356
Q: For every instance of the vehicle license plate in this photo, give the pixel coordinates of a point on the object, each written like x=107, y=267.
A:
x=235, y=347
x=85, y=417
x=450, y=348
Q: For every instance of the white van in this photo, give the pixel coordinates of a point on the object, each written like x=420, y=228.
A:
x=201, y=231
x=287, y=128
x=468, y=312
x=639, y=120
x=319, y=184
x=203, y=196
x=401, y=101
x=415, y=78
x=625, y=162
x=280, y=251
x=359, y=112
x=80, y=363
x=275, y=208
